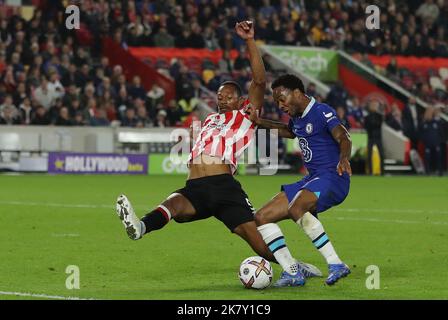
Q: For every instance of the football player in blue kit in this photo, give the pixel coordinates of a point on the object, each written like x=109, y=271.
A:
x=326, y=149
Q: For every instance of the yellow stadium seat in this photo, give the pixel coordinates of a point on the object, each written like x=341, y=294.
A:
x=27, y=12
x=207, y=75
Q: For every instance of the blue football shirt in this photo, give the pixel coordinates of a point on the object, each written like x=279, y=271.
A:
x=313, y=129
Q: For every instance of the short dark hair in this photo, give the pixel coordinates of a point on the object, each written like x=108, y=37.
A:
x=239, y=91
x=289, y=81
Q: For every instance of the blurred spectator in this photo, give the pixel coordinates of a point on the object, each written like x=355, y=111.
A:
x=311, y=89
x=365, y=59
x=64, y=118
x=187, y=104
x=55, y=110
x=123, y=101
x=411, y=121
x=210, y=40
x=161, y=119
x=241, y=61
x=44, y=94
x=155, y=96
x=340, y=111
x=196, y=38
x=20, y=94
x=26, y=111
x=75, y=108
x=72, y=77
x=163, y=39
x=143, y=120
x=428, y=11
x=174, y=114
x=267, y=10
x=121, y=83
x=216, y=81
x=79, y=119
x=9, y=116
x=197, y=87
x=356, y=111
x=106, y=86
x=394, y=118
x=99, y=119
x=41, y=117
x=225, y=64
x=372, y=124
x=130, y=118
x=54, y=85
x=190, y=118
x=337, y=95
x=183, y=39
x=431, y=133
x=8, y=103
x=392, y=68
x=136, y=90
x=404, y=46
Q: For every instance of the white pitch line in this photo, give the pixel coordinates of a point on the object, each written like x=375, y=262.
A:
x=383, y=210
x=61, y=205
x=111, y=206
x=38, y=295
x=65, y=234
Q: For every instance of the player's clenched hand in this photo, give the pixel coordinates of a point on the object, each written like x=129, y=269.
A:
x=344, y=166
x=253, y=114
x=245, y=29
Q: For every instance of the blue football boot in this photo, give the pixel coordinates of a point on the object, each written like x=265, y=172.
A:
x=336, y=272
x=290, y=280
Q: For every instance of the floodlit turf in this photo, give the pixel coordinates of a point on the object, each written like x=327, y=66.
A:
x=50, y=222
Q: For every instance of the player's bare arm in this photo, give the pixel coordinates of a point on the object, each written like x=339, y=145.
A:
x=257, y=87
x=342, y=137
x=283, y=129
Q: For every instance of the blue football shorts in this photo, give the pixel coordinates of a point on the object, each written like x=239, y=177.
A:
x=330, y=188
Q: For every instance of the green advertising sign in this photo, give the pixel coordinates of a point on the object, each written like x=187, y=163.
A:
x=163, y=164
x=315, y=62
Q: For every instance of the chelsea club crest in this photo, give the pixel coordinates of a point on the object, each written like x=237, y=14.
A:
x=309, y=128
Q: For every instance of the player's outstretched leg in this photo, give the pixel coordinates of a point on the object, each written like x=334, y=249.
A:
x=295, y=272
x=248, y=231
x=125, y=212
x=175, y=207
x=299, y=211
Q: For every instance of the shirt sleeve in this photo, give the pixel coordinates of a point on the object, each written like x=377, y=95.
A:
x=291, y=125
x=329, y=116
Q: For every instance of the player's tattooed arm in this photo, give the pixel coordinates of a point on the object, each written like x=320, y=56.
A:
x=245, y=30
x=283, y=129
x=341, y=135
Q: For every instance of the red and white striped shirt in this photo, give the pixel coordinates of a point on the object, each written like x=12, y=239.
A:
x=225, y=135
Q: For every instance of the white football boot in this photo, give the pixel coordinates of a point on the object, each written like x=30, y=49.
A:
x=127, y=215
x=309, y=270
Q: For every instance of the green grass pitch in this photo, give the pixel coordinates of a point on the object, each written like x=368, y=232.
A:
x=50, y=222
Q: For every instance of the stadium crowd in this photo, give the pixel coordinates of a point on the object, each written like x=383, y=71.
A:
x=48, y=78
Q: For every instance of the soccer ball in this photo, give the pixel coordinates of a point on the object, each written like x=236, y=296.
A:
x=255, y=273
